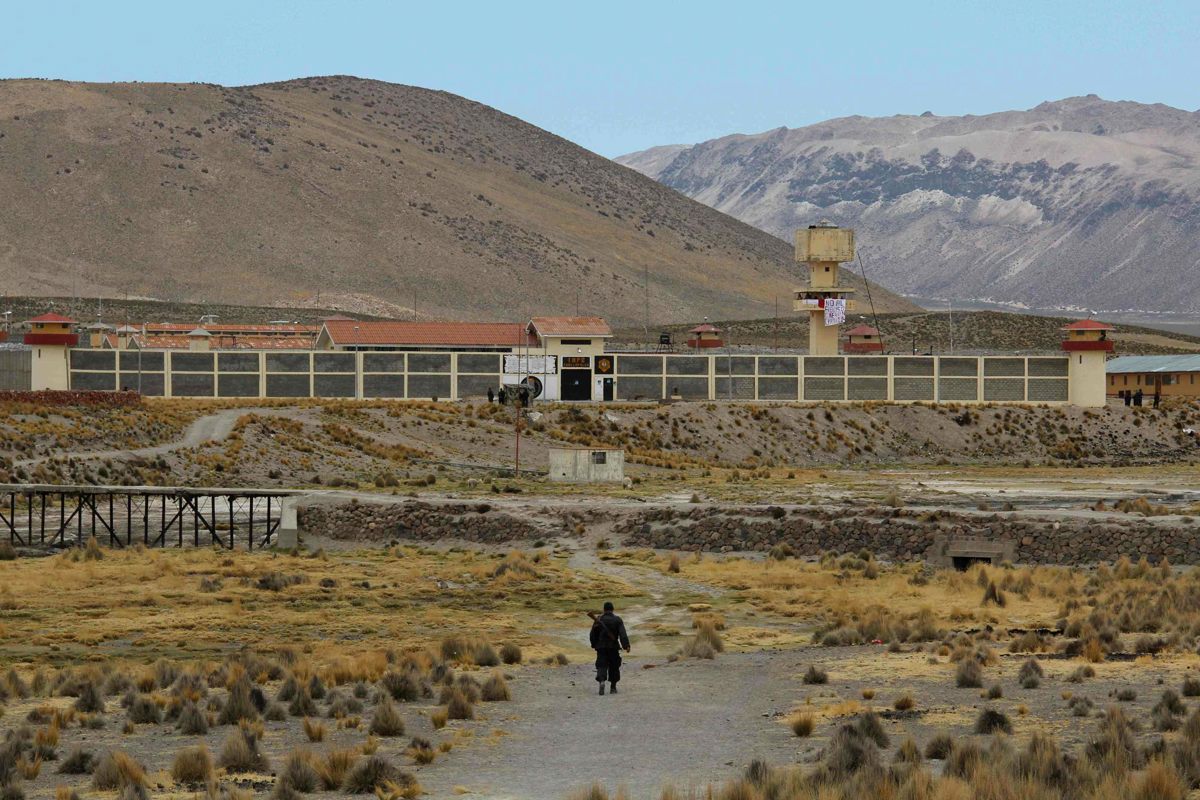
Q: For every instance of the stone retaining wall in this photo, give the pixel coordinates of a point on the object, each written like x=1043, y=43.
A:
x=902, y=534
x=475, y=522
x=895, y=534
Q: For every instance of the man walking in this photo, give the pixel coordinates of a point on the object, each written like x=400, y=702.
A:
x=608, y=638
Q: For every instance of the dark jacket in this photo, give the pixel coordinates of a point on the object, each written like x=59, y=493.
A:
x=608, y=632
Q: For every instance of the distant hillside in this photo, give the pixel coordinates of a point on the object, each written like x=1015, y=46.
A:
x=117, y=311
x=973, y=332
x=384, y=199
x=1079, y=203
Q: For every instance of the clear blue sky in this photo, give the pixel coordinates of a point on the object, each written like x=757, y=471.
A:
x=618, y=76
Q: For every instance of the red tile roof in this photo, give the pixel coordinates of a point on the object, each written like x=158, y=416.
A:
x=263, y=343
x=1088, y=325
x=706, y=327
x=446, y=334
x=571, y=326
x=286, y=329
x=862, y=330
x=52, y=318
x=183, y=342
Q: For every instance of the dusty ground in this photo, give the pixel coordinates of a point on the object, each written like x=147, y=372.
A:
x=399, y=447
x=685, y=722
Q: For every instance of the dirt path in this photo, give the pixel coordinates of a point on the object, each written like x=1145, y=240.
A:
x=689, y=722
x=684, y=722
x=213, y=427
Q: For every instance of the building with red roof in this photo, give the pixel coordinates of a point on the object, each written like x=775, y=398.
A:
x=705, y=335
x=863, y=339
x=52, y=329
x=1087, y=335
x=352, y=334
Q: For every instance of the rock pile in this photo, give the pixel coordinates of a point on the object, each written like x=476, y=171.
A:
x=903, y=534
x=474, y=522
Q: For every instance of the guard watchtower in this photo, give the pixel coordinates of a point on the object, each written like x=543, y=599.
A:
x=1088, y=344
x=824, y=247
x=50, y=337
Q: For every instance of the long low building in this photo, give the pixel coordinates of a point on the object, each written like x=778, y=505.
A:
x=460, y=375
x=554, y=358
x=1168, y=376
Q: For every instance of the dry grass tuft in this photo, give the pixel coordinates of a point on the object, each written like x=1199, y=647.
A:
x=495, y=688
x=968, y=675
x=116, y=770
x=299, y=772
x=240, y=704
x=315, y=731
x=814, y=675
x=192, y=721
x=802, y=724
x=991, y=720
x=376, y=772
x=510, y=653
x=77, y=762
x=333, y=768
x=386, y=721
x=192, y=765
x=459, y=706
x=241, y=752
x=144, y=711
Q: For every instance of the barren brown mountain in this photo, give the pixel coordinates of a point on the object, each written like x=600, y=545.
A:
x=383, y=198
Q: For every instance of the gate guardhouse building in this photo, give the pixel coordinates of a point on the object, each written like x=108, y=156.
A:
x=576, y=344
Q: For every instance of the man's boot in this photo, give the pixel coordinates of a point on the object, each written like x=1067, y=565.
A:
x=614, y=688
x=601, y=688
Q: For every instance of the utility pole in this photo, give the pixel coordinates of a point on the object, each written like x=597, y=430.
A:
x=950, y=306
x=646, y=301
x=141, y=345
x=728, y=369
x=517, y=427
x=775, y=335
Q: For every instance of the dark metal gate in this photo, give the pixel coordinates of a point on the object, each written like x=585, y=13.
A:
x=120, y=516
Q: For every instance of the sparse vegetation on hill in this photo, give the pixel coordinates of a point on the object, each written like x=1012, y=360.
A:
x=423, y=446
x=405, y=189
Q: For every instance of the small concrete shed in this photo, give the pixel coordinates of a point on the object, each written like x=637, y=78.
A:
x=587, y=465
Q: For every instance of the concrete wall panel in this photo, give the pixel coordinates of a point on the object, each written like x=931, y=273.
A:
x=778, y=389
x=383, y=362
x=389, y=386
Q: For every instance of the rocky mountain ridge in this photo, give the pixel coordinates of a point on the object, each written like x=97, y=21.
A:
x=1080, y=203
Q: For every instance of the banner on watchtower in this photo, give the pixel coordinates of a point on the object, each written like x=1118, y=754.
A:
x=835, y=311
